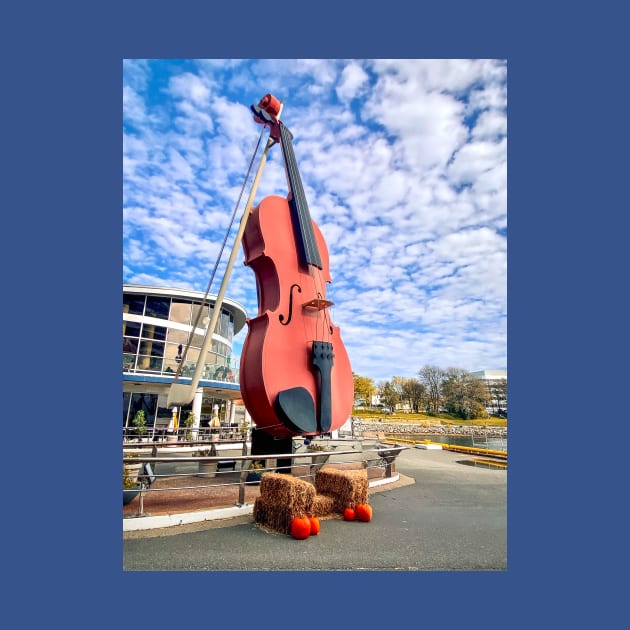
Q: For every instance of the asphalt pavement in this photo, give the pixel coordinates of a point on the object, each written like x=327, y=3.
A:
x=452, y=518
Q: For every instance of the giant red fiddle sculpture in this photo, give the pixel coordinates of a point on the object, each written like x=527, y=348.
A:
x=295, y=375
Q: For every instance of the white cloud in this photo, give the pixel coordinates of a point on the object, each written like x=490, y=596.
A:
x=476, y=158
x=190, y=87
x=133, y=106
x=353, y=82
x=407, y=178
x=491, y=124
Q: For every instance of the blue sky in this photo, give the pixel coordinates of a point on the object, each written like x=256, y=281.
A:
x=404, y=166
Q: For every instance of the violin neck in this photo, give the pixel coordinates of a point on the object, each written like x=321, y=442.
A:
x=307, y=245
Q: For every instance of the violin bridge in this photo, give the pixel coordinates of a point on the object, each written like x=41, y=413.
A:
x=317, y=304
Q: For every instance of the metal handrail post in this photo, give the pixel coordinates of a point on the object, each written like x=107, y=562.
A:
x=141, y=512
x=241, y=488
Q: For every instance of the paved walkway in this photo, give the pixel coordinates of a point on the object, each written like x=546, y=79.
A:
x=450, y=516
x=203, y=498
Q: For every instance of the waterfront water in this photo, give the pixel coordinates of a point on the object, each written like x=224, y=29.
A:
x=479, y=441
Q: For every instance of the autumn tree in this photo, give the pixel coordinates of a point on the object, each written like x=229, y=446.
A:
x=398, y=383
x=432, y=378
x=364, y=389
x=463, y=394
x=413, y=392
x=410, y=391
x=389, y=394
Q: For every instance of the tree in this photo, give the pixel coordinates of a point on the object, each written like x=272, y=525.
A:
x=409, y=390
x=432, y=378
x=389, y=395
x=364, y=389
x=414, y=392
x=464, y=395
x=140, y=422
x=189, y=423
x=398, y=383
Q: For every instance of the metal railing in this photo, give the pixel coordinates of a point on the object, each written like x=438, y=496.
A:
x=378, y=456
x=131, y=435
x=157, y=366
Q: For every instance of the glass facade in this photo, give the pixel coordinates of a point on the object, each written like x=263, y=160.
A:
x=154, y=407
x=150, y=346
x=157, y=326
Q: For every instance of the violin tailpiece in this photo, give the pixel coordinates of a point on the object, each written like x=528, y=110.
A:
x=322, y=359
x=295, y=407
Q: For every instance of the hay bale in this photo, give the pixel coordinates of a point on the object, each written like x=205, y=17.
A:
x=347, y=487
x=260, y=512
x=287, y=491
x=281, y=499
x=323, y=505
x=275, y=517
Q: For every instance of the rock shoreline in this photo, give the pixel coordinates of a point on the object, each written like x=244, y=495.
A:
x=360, y=426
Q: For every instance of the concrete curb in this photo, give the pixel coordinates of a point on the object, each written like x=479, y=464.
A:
x=139, y=523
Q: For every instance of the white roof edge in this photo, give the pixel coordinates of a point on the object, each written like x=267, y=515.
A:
x=236, y=307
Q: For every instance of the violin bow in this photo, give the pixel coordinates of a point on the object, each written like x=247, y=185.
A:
x=182, y=393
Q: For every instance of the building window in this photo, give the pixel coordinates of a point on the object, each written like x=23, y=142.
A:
x=151, y=331
x=152, y=348
x=131, y=329
x=132, y=403
x=180, y=312
x=130, y=345
x=133, y=304
x=158, y=307
x=177, y=336
x=203, y=312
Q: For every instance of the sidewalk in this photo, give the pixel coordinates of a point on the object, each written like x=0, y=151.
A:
x=201, y=499
x=443, y=514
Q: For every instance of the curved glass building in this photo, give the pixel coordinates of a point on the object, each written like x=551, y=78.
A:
x=157, y=325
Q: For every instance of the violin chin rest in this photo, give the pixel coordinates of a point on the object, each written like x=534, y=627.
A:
x=296, y=408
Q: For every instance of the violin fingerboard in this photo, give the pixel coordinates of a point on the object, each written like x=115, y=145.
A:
x=303, y=224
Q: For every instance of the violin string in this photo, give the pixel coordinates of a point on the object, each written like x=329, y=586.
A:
x=204, y=301
x=311, y=251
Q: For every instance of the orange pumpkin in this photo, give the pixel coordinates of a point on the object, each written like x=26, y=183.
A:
x=301, y=527
x=364, y=512
x=315, y=526
x=348, y=514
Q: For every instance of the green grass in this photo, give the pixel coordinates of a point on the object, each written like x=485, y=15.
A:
x=423, y=418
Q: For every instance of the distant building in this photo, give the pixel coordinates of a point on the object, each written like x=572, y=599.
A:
x=156, y=325
x=496, y=382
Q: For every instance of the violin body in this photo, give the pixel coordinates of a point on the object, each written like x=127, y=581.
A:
x=295, y=373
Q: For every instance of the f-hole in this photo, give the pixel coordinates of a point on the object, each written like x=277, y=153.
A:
x=281, y=317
